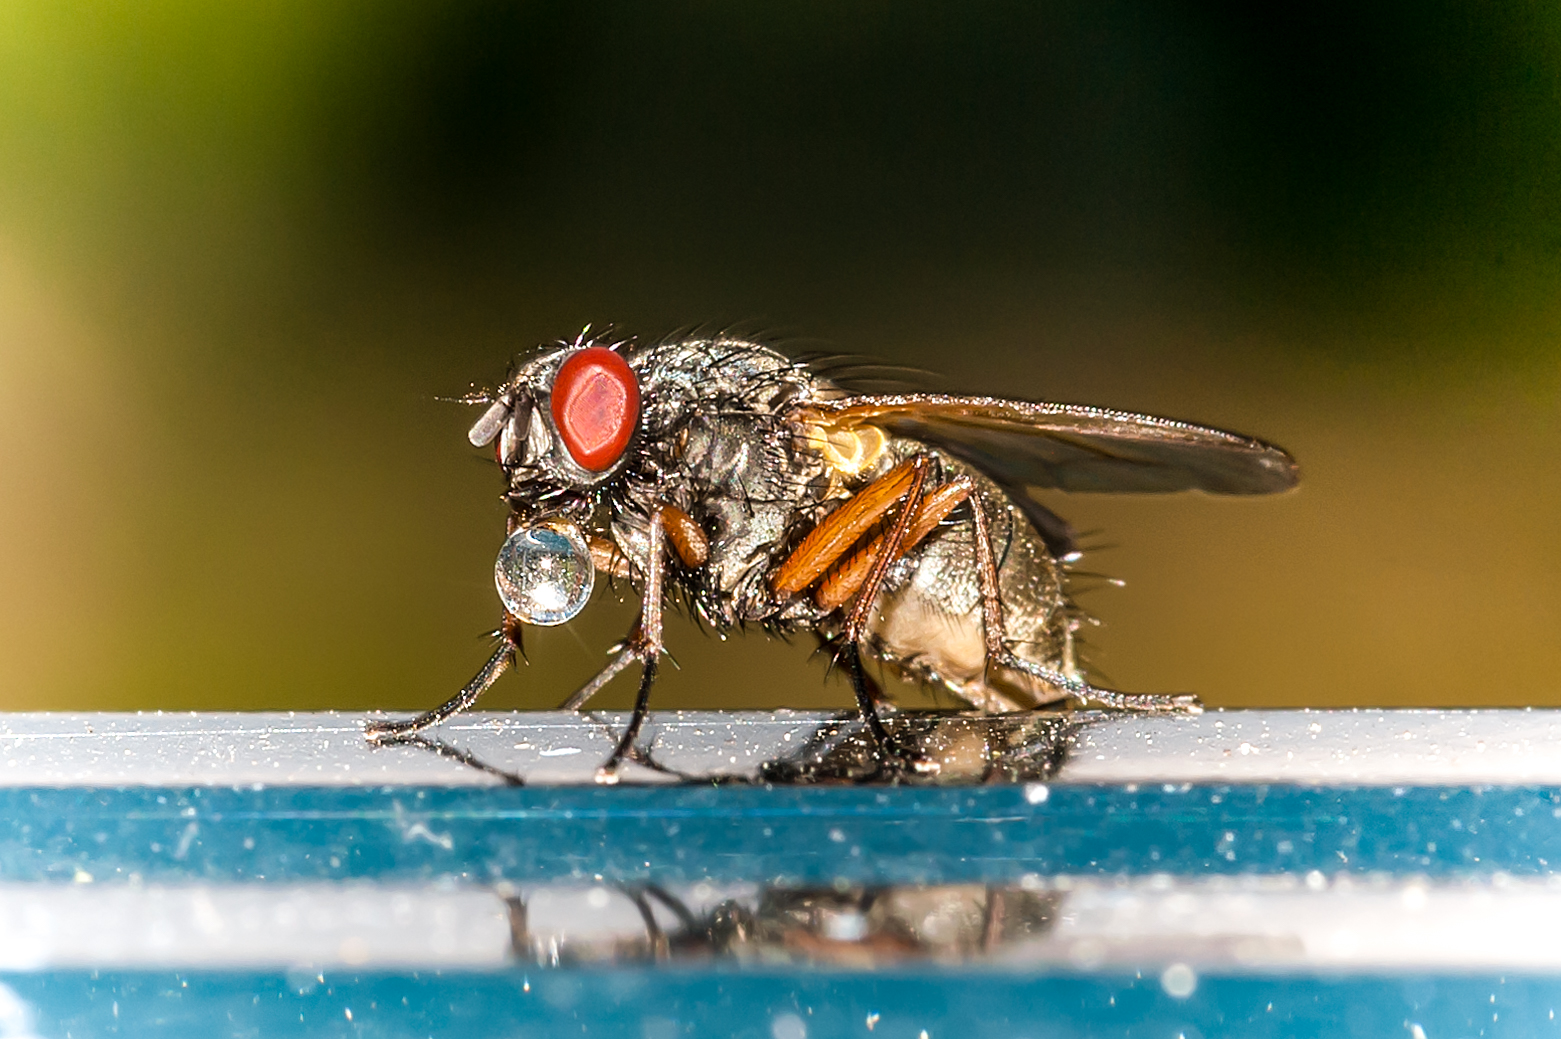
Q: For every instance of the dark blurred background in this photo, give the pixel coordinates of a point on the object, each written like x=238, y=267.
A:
x=245, y=246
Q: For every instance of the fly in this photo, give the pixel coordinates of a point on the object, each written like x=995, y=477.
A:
x=766, y=492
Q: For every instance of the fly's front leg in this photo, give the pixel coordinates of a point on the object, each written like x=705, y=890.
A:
x=643, y=643
x=692, y=548
x=999, y=654
x=502, y=660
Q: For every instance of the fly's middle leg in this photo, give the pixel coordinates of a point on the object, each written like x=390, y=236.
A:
x=644, y=644
x=861, y=610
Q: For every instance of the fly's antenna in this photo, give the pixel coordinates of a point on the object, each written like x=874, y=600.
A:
x=475, y=396
x=484, y=395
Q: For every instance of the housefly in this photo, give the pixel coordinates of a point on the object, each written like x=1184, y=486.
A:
x=764, y=491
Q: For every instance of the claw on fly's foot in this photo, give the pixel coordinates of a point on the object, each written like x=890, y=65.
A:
x=1171, y=703
x=381, y=732
x=925, y=766
x=606, y=776
x=1147, y=703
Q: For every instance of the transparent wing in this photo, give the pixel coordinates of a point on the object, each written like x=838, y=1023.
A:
x=1072, y=447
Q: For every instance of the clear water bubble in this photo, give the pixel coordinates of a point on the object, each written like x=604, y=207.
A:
x=544, y=573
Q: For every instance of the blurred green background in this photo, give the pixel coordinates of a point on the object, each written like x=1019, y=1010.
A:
x=244, y=246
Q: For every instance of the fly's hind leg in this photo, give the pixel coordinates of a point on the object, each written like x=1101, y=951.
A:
x=999, y=653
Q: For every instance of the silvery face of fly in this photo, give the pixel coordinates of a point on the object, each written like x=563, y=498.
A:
x=766, y=492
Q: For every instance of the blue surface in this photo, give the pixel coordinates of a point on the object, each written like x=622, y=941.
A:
x=789, y=834
x=675, y=1003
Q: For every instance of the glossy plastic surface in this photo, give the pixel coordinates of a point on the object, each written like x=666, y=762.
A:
x=1264, y=873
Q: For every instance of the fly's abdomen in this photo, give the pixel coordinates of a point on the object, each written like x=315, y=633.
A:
x=927, y=622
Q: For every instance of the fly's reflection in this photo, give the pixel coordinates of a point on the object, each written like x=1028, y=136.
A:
x=841, y=926
x=969, y=748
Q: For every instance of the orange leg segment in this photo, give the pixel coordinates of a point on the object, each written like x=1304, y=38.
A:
x=690, y=543
x=844, y=579
x=838, y=531
x=685, y=536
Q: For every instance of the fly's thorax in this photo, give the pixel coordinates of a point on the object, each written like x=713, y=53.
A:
x=745, y=486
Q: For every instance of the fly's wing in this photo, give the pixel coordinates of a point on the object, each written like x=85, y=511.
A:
x=1072, y=447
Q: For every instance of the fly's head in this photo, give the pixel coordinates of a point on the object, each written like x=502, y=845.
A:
x=594, y=439
x=564, y=428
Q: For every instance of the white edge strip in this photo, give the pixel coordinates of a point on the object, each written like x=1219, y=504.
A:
x=1252, y=925
x=328, y=748
x=248, y=925
x=1409, y=926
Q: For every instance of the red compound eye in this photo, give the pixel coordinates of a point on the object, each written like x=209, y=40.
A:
x=596, y=405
